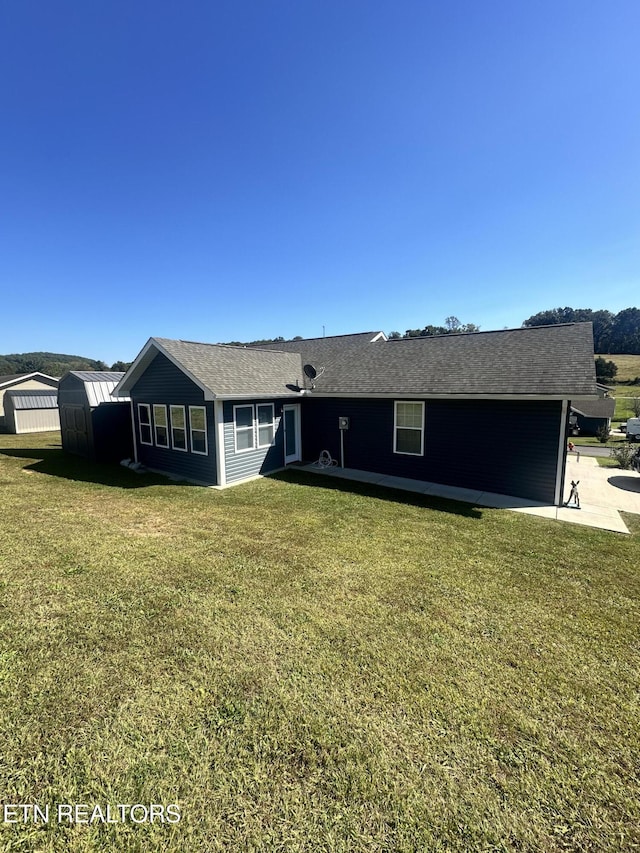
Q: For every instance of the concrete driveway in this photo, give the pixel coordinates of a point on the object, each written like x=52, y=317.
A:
x=603, y=493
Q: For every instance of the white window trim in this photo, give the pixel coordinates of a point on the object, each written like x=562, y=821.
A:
x=165, y=425
x=236, y=428
x=146, y=406
x=396, y=428
x=184, y=429
x=191, y=431
x=272, y=424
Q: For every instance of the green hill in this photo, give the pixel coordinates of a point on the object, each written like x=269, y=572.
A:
x=52, y=363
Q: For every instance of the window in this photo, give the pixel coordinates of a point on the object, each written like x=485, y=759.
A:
x=243, y=428
x=266, y=430
x=178, y=428
x=198, y=422
x=160, y=424
x=144, y=419
x=408, y=433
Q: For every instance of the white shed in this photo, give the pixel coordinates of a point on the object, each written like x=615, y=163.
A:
x=24, y=382
x=31, y=411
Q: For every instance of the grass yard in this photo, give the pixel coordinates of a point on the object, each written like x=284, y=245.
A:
x=624, y=404
x=628, y=369
x=592, y=441
x=302, y=666
x=628, y=366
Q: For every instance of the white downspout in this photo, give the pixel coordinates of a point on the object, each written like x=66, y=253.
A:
x=135, y=437
x=221, y=473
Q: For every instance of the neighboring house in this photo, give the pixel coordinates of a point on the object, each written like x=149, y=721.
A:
x=94, y=423
x=436, y=409
x=24, y=382
x=592, y=415
x=31, y=411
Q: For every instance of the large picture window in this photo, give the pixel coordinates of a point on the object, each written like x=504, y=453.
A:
x=178, y=428
x=266, y=427
x=144, y=421
x=160, y=425
x=243, y=428
x=198, y=424
x=408, y=432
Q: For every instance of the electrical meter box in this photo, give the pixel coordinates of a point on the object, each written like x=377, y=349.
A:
x=343, y=423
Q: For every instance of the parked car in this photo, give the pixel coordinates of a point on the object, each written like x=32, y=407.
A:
x=622, y=427
x=633, y=429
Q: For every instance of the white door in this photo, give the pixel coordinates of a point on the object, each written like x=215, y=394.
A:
x=291, y=421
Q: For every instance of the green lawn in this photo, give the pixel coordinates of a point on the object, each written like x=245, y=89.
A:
x=628, y=366
x=306, y=666
x=628, y=369
x=592, y=441
x=607, y=462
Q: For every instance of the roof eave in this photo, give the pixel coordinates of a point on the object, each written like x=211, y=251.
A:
x=263, y=396
x=144, y=359
x=28, y=376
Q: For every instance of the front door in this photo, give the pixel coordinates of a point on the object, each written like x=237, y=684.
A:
x=291, y=420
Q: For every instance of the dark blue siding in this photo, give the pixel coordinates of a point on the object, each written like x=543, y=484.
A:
x=102, y=433
x=163, y=384
x=260, y=460
x=590, y=426
x=112, y=436
x=503, y=446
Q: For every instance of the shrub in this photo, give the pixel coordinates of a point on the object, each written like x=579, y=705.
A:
x=605, y=370
x=623, y=454
x=602, y=434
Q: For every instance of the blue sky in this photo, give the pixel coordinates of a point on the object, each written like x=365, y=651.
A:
x=230, y=171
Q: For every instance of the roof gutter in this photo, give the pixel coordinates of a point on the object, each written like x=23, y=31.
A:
x=421, y=395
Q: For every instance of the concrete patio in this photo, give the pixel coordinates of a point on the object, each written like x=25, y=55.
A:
x=603, y=492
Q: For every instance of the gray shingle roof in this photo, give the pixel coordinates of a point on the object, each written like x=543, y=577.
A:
x=542, y=360
x=237, y=371
x=603, y=407
x=333, y=346
x=539, y=361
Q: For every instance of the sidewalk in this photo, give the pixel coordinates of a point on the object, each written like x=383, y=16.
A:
x=603, y=491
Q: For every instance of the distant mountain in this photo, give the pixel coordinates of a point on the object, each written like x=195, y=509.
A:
x=51, y=363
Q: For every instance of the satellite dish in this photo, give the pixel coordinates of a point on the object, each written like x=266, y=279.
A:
x=309, y=371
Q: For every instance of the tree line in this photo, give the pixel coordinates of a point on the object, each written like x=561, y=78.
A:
x=612, y=333
x=452, y=326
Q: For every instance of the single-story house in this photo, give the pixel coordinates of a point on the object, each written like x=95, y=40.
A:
x=487, y=410
x=33, y=381
x=94, y=423
x=590, y=416
x=31, y=411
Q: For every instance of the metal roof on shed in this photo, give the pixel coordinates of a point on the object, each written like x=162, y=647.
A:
x=25, y=400
x=99, y=385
